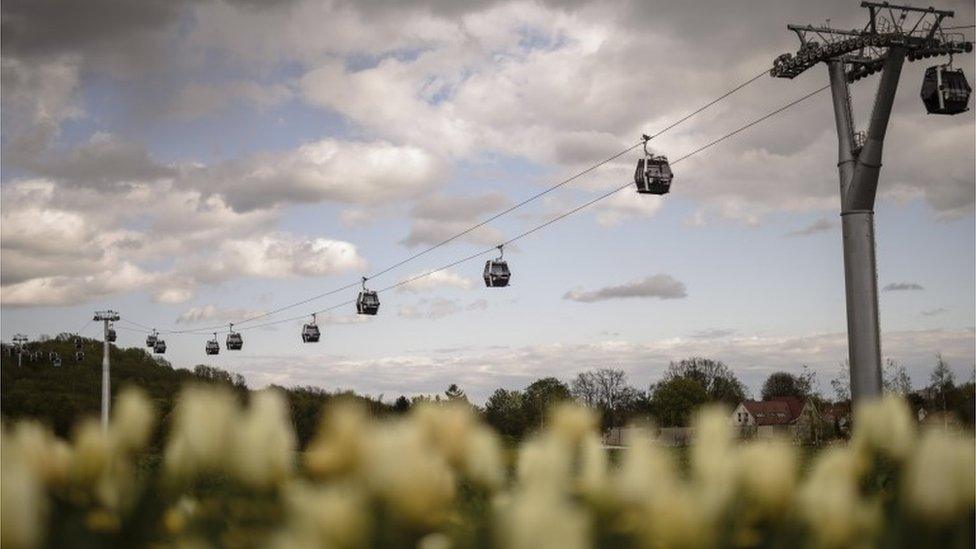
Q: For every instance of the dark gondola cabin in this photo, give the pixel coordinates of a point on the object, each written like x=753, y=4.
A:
x=310, y=332
x=79, y=356
x=945, y=90
x=159, y=347
x=496, y=273
x=653, y=174
x=110, y=335
x=151, y=340
x=368, y=303
x=234, y=341
x=213, y=346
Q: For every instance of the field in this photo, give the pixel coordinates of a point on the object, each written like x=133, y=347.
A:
x=229, y=476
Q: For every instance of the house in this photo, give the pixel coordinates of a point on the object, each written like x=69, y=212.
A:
x=777, y=417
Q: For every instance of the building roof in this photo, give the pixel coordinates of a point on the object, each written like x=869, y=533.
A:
x=776, y=411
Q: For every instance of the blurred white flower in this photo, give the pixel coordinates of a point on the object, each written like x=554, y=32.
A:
x=766, y=473
x=594, y=465
x=538, y=518
x=201, y=433
x=22, y=499
x=831, y=504
x=545, y=461
x=940, y=483
x=411, y=478
x=47, y=456
x=571, y=422
x=338, y=446
x=885, y=427
x=263, y=452
x=133, y=419
x=483, y=462
x=337, y=516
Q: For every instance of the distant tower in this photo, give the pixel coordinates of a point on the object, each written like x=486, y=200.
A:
x=106, y=317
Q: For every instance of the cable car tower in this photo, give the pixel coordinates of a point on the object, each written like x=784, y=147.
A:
x=107, y=317
x=19, y=340
x=891, y=34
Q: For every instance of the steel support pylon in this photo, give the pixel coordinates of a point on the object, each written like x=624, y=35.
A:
x=106, y=379
x=859, y=168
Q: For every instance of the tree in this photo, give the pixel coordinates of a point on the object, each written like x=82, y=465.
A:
x=841, y=384
x=584, y=389
x=455, y=393
x=784, y=384
x=606, y=389
x=895, y=378
x=401, y=405
x=504, y=411
x=715, y=378
x=943, y=381
x=673, y=400
x=540, y=396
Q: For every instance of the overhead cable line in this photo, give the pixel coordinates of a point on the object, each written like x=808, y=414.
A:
x=482, y=223
x=555, y=219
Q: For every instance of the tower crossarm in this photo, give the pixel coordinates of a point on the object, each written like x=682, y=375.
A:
x=864, y=52
x=916, y=30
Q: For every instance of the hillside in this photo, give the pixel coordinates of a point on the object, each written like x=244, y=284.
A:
x=60, y=396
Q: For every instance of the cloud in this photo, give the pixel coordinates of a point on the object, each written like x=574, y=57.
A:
x=197, y=100
x=902, y=286
x=103, y=162
x=821, y=225
x=196, y=315
x=60, y=244
x=661, y=286
x=354, y=172
x=435, y=281
x=714, y=333
x=438, y=307
x=480, y=370
x=439, y=217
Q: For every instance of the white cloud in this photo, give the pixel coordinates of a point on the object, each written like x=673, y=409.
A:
x=203, y=313
x=481, y=370
x=821, y=225
x=661, y=286
x=435, y=281
x=355, y=172
x=437, y=307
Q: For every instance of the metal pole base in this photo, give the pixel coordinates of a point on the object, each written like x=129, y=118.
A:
x=863, y=327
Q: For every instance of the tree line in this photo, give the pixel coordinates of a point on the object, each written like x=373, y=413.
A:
x=59, y=396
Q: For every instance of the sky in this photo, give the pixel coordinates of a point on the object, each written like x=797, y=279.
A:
x=193, y=163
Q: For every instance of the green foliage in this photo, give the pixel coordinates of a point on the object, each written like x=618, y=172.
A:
x=540, y=396
x=715, y=378
x=674, y=400
x=785, y=384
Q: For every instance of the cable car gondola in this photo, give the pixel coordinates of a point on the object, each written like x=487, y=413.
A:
x=368, y=303
x=78, y=343
x=79, y=356
x=653, y=174
x=56, y=360
x=213, y=346
x=151, y=339
x=945, y=90
x=310, y=332
x=159, y=347
x=110, y=334
x=234, y=340
x=496, y=273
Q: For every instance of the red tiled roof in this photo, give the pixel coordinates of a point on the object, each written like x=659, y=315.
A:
x=777, y=411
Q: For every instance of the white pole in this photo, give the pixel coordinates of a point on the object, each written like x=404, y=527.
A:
x=105, y=377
